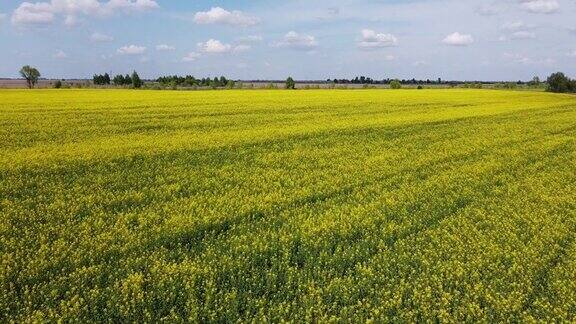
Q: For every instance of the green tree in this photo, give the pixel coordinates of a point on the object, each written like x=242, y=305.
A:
x=290, y=83
x=395, y=84
x=31, y=75
x=559, y=82
x=136, y=81
x=118, y=80
x=58, y=84
x=106, y=78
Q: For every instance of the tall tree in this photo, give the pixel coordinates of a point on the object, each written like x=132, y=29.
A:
x=290, y=83
x=106, y=78
x=136, y=81
x=31, y=75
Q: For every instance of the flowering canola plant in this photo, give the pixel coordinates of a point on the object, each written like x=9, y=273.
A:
x=316, y=206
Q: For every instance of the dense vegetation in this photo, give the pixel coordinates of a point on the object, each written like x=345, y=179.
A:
x=559, y=82
x=190, y=81
x=119, y=80
x=404, y=206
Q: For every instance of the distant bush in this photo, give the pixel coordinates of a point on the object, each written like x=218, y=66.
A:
x=395, y=84
x=58, y=84
x=420, y=87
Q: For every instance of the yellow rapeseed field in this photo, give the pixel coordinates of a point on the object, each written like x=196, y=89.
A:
x=315, y=206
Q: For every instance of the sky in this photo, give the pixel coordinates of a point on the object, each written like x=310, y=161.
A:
x=313, y=40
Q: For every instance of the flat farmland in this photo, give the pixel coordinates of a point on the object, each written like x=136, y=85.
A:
x=312, y=206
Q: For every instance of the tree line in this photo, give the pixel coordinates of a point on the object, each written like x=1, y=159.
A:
x=133, y=80
x=557, y=82
x=191, y=81
x=368, y=80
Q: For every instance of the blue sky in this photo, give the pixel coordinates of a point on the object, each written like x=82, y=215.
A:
x=256, y=39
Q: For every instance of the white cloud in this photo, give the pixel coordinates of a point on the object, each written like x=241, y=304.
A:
x=60, y=55
x=42, y=13
x=214, y=46
x=250, y=39
x=457, y=39
x=190, y=57
x=489, y=9
x=98, y=37
x=419, y=63
x=71, y=21
x=222, y=16
x=297, y=41
x=131, y=50
x=572, y=54
x=522, y=59
x=373, y=40
x=515, y=25
x=389, y=58
x=33, y=14
x=165, y=48
x=242, y=48
x=540, y=6
x=523, y=35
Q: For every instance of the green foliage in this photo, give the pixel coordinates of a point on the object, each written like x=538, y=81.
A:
x=101, y=79
x=57, y=84
x=30, y=74
x=395, y=84
x=535, y=82
x=136, y=81
x=559, y=82
x=337, y=206
x=290, y=83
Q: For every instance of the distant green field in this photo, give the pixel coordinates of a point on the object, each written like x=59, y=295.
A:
x=141, y=206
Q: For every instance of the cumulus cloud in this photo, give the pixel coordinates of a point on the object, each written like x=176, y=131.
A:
x=190, y=57
x=165, y=48
x=98, y=37
x=457, y=39
x=60, y=55
x=131, y=50
x=373, y=40
x=222, y=16
x=43, y=13
x=540, y=6
x=297, y=41
x=214, y=46
x=33, y=14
